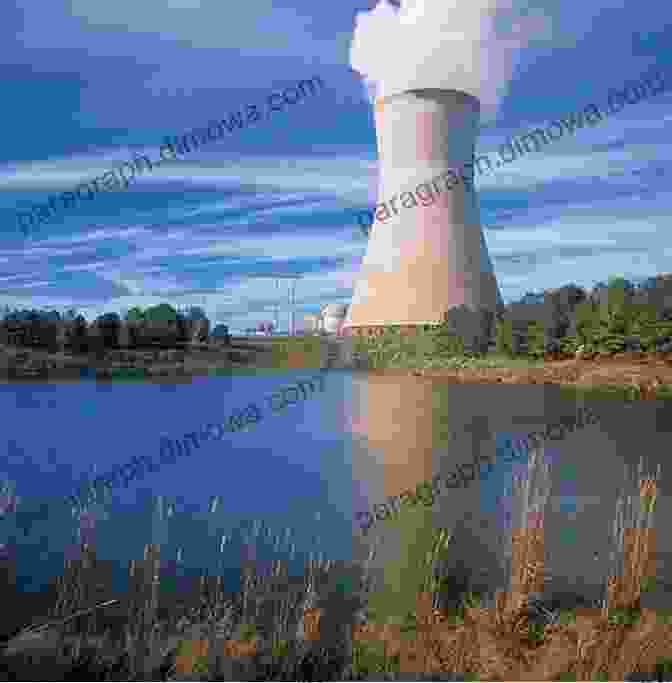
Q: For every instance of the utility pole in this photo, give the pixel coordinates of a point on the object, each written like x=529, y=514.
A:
x=277, y=277
x=292, y=302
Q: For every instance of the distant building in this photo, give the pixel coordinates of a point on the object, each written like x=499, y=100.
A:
x=311, y=323
x=332, y=317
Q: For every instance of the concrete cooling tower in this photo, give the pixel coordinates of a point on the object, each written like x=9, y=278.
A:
x=426, y=250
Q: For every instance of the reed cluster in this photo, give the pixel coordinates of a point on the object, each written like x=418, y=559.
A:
x=514, y=636
x=319, y=626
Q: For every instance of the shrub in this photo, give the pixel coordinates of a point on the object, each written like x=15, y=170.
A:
x=664, y=668
x=536, y=339
x=280, y=648
x=247, y=631
x=569, y=344
x=447, y=343
x=368, y=657
x=624, y=615
x=504, y=337
x=201, y=665
x=553, y=346
x=535, y=632
x=566, y=616
x=586, y=324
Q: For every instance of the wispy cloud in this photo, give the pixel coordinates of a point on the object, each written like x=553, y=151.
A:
x=202, y=230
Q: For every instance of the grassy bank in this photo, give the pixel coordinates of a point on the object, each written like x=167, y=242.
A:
x=437, y=353
x=434, y=348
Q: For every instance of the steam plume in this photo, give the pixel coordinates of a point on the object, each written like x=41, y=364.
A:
x=467, y=45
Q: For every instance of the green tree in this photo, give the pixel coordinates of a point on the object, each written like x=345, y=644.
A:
x=109, y=328
x=161, y=313
x=195, y=313
x=79, y=336
x=135, y=314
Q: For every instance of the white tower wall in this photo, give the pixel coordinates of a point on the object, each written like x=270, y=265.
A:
x=426, y=248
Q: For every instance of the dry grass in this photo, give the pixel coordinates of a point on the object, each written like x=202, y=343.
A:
x=633, y=534
x=496, y=640
x=499, y=642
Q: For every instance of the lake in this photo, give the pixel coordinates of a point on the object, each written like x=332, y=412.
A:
x=305, y=472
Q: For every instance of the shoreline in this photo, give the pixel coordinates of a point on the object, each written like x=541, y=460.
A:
x=644, y=375
x=176, y=364
x=20, y=364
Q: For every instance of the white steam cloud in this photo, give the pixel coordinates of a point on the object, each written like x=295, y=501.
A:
x=469, y=45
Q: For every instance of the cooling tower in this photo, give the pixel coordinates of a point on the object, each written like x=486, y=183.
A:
x=426, y=250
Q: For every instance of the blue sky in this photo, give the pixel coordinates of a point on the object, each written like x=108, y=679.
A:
x=87, y=83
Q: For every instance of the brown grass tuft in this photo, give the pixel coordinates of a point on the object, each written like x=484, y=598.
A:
x=498, y=643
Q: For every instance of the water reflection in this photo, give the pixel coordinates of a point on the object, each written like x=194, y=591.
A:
x=306, y=473
x=410, y=429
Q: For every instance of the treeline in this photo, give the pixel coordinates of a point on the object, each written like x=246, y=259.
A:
x=556, y=323
x=609, y=318
x=159, y=325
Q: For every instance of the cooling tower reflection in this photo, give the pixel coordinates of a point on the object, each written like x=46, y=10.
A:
x=411, y=433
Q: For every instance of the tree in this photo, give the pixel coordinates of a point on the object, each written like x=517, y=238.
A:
x=161, y=313
x=463, y=330
x=620, y=282
x=532, y=298
x=195, y=313
x=164, y=326
x=79, y=335
x=70, y=314
x=222, y=332
x=648, y=283
x=504, y=336
x=135, y=314
x=559, y=308
x=109, y=324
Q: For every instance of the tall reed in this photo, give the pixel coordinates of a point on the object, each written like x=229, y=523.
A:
x=523, y=552
x=633, y=557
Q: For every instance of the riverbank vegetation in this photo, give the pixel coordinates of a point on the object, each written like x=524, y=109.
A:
x=159, y=342
x=546, y=326
x=615, y=335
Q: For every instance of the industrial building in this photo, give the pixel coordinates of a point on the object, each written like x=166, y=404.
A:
x=329, y=320
x=427, y=257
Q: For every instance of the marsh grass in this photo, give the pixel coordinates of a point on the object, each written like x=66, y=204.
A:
x=430, y=349
x=281, y=628
x=433, y=350
x=495, y=638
